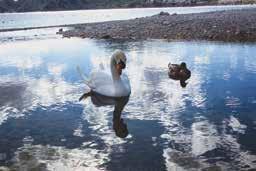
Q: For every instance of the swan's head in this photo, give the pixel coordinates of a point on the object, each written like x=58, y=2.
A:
x=119, y=59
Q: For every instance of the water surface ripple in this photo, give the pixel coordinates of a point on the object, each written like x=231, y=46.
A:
x=210, y=124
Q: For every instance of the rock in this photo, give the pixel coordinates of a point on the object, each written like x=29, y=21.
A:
x=60, y=31
x=3, y=168
x=106, y=36
x=162, y=13
x=237, y=32
x=166, y=23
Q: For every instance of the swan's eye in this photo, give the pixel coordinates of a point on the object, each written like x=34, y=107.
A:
x=122, y=64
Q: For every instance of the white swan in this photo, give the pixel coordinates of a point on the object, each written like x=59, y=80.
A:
x=111, y=89
x=113, y=84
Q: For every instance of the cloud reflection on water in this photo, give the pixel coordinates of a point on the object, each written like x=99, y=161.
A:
x=202, y=123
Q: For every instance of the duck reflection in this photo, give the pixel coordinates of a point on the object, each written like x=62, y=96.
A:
x=99, y=100
x=179, y=72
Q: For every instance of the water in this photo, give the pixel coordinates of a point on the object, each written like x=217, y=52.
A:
x=34, y=34
x=210, y=124
x=34, y=19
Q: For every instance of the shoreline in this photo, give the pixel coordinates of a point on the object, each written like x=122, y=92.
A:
x=34, y=28
x=227, y=26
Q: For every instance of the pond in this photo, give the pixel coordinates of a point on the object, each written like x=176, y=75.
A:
x=210, y=124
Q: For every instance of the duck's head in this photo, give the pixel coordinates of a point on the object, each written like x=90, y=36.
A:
x=183, y=65
x=119, y=60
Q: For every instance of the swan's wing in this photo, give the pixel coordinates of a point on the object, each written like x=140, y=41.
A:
x=101, y=82
x=99, y=78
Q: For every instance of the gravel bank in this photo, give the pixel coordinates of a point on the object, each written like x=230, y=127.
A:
x=235, y=25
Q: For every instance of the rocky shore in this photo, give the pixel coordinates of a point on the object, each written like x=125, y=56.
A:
x=233, y=26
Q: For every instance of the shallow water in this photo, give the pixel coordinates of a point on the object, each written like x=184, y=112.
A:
x=34, y=19
x=209, y=124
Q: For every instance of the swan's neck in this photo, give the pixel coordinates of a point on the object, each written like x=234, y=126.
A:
x=115, y=75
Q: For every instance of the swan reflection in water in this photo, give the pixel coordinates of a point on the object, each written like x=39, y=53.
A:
x=99, y=100
x=111, y=89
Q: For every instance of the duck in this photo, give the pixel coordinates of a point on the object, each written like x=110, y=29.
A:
x=179, y=72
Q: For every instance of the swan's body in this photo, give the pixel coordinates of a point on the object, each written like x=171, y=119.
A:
x=103, y=83
x=111, y=89
x=111, y=84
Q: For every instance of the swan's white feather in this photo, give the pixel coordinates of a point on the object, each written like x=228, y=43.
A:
x=106, y=83
x=102, y=83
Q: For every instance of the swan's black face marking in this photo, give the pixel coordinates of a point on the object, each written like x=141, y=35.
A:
x=120, y=61
x=122, y=64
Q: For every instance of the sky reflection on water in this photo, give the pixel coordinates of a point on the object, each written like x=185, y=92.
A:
x=209, y=124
